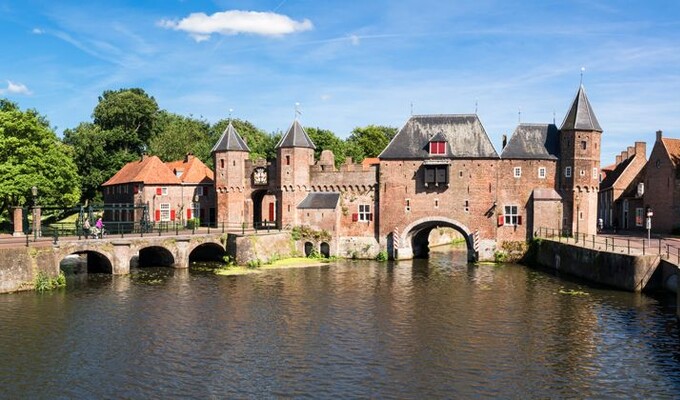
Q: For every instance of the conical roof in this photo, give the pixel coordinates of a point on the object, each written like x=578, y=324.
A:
x=296, y=137
x=230, y=141
x=581, y=116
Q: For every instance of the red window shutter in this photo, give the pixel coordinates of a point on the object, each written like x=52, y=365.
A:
x=441, y=148
x=519, y=220
x=172, y=215
x=188, y=213
x=355, y=217
x=159, y=191
x=501, y=220
x=158, y=215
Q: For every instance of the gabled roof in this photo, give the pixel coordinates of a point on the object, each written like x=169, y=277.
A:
x=613, y=175
x=296, y=137
x=581, y=116
x=193, y=170
x=230, y=141
x=148, y=170
x=464, y=134
x=320, y=200
x=533, y=141
x=673, y=148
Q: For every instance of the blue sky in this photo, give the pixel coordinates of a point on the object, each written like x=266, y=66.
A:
x=352, y=63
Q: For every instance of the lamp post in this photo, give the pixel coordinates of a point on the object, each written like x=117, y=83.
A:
x=196, y=207
x=648, y=223
x=578, y=211
x=34, y=192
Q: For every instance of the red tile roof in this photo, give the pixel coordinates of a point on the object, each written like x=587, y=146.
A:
x=193, y=170
x=148, y=170
x=673, y=149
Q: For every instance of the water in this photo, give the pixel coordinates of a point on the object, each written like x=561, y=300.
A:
x=437, y=329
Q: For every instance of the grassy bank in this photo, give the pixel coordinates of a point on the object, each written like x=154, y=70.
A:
x=295, y=262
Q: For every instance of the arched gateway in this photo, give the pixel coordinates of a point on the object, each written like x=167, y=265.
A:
x=413, y=240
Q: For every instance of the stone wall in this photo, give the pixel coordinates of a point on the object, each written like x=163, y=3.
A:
x=621, y=271
x=262, y=247
x=20, y=266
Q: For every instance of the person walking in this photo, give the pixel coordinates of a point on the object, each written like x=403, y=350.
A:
x=87, y=227
x=100, y=227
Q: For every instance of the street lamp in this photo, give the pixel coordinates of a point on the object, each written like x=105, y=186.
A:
x=196, y=207
x=34, y=192
x=648, y=223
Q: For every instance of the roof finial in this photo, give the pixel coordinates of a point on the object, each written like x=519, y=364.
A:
x=583, y=69
x=519, y=115
x=553, y=117
x=231, y=110
x=411, y=108
x=475, y=106
x=297, y=110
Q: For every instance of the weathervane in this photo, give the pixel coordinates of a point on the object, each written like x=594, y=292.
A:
x=231, y=110
x=475, y=106
x=519, y=115
x=297, y=110
x=583, y=69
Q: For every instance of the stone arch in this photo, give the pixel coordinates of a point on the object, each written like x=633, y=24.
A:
x=208, y=251
x=325, y=249
x=87, y=261
x=413, y=241
x=309, y=247
x=153, y=256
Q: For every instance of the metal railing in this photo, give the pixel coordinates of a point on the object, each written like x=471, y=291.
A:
x=620, y=244
x=55, y=232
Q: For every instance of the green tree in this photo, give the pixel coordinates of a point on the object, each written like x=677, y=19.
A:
x=99, y=154
x=32, y=155
x=177, y=135
x=371, y=139
x=327, y=140
x=261, y=144
x=132, y=111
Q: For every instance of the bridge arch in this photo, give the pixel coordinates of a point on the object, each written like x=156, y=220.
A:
x=208, y=251
x=88, y=260
x=155, y=256
x=413, y=241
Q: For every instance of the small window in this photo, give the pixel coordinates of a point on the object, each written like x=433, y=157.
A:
x=467, y=206
x=541, y=172
x=460, y=174
x=125, y=189
x=408, y=205
x=582, y=172
x=199, y=190
x=511, y=216
x=365, y=213
x=594, y=173
x=222, y=163
x=436, y=203
x=436, y=174
x=287, y=160
x=438, y=148
x=517, y=172
x=164, y=191
x=567, y=172
x=584, y=144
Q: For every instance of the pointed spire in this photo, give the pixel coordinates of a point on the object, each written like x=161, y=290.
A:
x=296, y=137
x=581, y=116
x=230, y=141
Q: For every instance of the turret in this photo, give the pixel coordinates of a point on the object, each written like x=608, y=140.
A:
x=580, y=137
x=229, y=155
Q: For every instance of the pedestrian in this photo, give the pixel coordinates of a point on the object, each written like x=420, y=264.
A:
x=100, y=226
x=600, y=224
x=86, y=227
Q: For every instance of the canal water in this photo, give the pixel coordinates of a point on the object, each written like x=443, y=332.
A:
x=436, y=328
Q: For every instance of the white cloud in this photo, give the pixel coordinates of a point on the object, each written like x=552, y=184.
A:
x=200, y=26
x=325, y=97
x=355, y=40
x=16, y=88
x=37, y=31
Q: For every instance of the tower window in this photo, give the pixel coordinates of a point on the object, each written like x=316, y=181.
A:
x=437, y=174
x=584, y=144
x=567, y=172
x=222, y=163
x=541, y=172
x=511, y=216
x=436, y=203
x=594, y=173
x=287, y=160
x=408, y=205
x=517, y=172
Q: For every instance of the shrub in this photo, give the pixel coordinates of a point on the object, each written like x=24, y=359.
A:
x=500, y=256
x=44, y=282
x=253, y=264
x=382, y=256
x=193, y=223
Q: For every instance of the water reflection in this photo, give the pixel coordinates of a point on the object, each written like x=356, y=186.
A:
x=423, y=328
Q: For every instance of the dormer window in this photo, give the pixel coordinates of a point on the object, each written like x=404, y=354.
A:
x=437, y=148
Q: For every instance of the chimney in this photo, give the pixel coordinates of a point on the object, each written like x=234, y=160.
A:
x=618, y=159
x=188, y=156
x=505, y=141
x=631, y=151
x=641, y=149
x=624, y=156
x=145, y=156
x=659, y=135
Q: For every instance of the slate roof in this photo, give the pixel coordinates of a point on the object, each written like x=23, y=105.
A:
x=149, y=170
x=296, y=137
x=533, y=141
x=673, y=148
x=320, y=201
x=230, y=141
x=464, y=134
x=193, y=170
x=581, y=115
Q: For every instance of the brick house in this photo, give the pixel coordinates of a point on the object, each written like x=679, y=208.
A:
x=438, y=171
x=662, y=184
x=170, y=192
x=620, y=199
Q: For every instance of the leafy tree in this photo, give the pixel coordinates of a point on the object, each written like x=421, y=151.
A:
x=99, y=154
x=261, y=144
x=32, y=155
x=177, y=135
x=326, y=140
x=132, y=111
x=371, y=139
